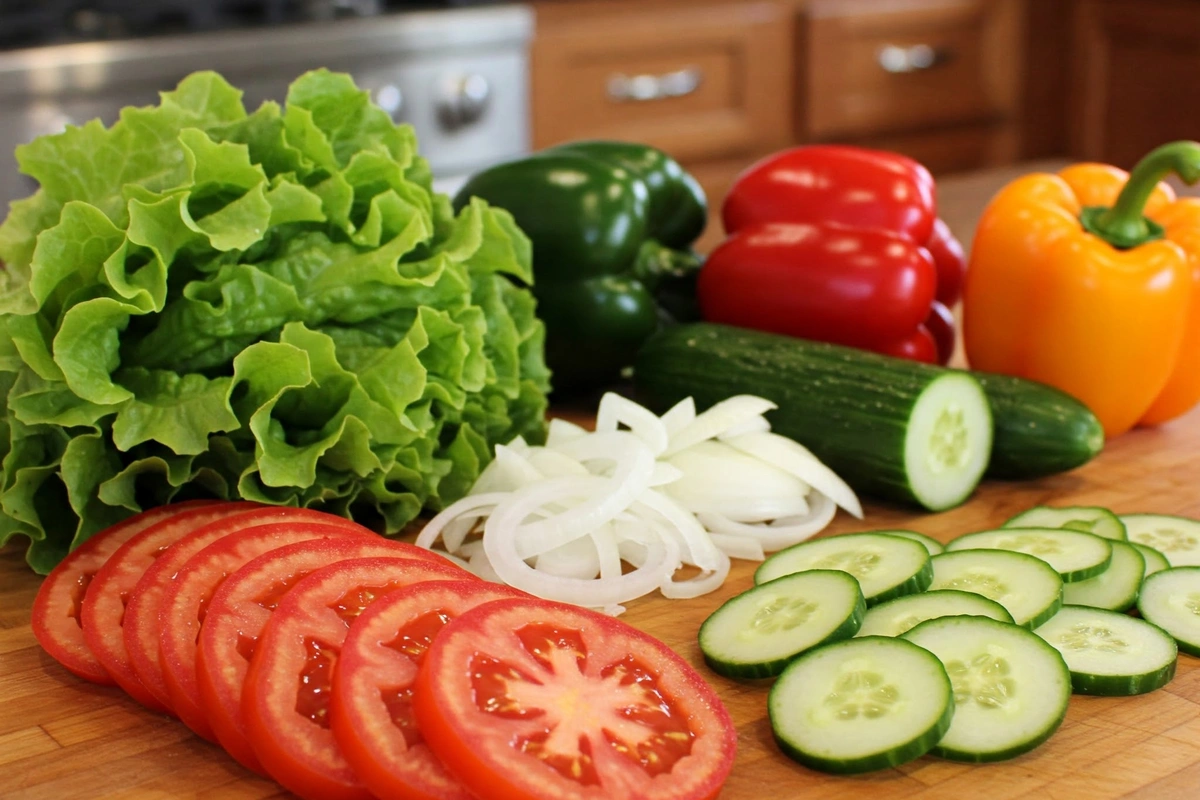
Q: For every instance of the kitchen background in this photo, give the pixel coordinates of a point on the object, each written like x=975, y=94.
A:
x=959, y=84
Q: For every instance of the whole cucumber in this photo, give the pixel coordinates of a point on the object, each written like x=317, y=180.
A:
x=825, y=392
x=893, y=429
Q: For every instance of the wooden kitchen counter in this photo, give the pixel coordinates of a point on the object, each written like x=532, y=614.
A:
x=62, y=738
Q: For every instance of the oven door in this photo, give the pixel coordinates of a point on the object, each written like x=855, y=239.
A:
x=459, y=77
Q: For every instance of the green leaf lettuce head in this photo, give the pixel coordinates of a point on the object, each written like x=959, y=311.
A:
x=272, y=306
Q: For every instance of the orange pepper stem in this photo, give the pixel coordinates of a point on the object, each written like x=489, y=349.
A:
x=1125, y=225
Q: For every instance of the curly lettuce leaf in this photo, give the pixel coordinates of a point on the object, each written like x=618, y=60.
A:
x=274, y=306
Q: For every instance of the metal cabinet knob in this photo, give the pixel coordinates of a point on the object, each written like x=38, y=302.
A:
x=390, y=99
x=464, y=100
x=896, y=59
x=647, y=88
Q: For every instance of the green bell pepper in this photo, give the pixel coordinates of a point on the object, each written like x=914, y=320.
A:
x=611, y=224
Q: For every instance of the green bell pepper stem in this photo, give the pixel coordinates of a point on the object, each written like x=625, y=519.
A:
x=1125, y=225
x=656, y=263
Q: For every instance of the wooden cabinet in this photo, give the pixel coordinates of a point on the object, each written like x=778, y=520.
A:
x=1135, y=77
x=720, y=83
x=937, y=79
x=710, y=83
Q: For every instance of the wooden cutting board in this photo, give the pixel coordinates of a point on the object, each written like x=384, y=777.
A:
x=62, y=738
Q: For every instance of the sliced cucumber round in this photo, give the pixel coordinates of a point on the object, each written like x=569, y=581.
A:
x=1026, y=586
x=885, y=566
x=1075, y=555
x=1177, y=538
x=903, y=613
x=1011, y=689
x=1109, y=653
x=1155, y=561
x=931, y=544
x=861, y=705
x=1171, y=600
x=756, y=633
x=1116, y=588
x=1089, y=519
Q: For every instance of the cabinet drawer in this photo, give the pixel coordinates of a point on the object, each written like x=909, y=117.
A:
x=699, y=83
x=888, y=65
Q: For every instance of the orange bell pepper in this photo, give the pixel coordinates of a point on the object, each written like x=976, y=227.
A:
x=1089, y=280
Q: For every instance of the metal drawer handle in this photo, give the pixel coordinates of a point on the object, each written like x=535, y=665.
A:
x=645, y=88
x=898, y=60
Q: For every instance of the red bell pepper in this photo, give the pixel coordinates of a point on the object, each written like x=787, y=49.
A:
x=858, y=287
x=837, y=244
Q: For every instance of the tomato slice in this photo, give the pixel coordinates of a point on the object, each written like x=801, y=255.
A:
x=239, y=611
x=185, y=603
x=286, y=695
x=532, y=699
x=103, y=611
x=370, y=712
x=57, y=610
x=141, y=627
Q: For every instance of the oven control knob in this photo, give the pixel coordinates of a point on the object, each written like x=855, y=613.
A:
x=390, y=99
x=463, y=100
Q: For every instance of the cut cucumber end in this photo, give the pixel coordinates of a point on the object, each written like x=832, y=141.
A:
x=861, y=705
x=1109, y=653
x=1011, y=688
x=760, y=631
x=948, y=441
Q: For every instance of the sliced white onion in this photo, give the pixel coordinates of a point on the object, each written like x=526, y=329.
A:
x=479, y=564
x=724, y=480
x=746, y=548
x=567, y=521
x=699, y=548
x=795, y=458
x=501, y=546
x=635, y=466
x=720, y=418
x=519, y=445
x=679, y=416
x=575, y=559
x=561, y=431
x=753, y=425
x=776, y=537
x=551, y=463
x=616, y=410
x=697, y=585
x=429, y=534
x=664, y=473
x=608, y=554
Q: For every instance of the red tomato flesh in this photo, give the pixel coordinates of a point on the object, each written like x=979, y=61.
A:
x=371, y=709
x=141, y=627
x=239, y=611
x=57, y=618
x=285, y=698
x=185, y=603
x=104, y=604
x=524, y=699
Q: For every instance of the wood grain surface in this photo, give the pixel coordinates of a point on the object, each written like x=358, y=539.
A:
x=62, y=738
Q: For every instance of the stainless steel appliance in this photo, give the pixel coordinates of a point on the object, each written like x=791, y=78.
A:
x=458, y=75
